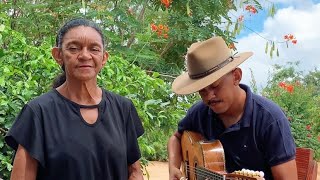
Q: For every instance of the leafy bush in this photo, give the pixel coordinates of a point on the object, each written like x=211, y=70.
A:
x=300, y=100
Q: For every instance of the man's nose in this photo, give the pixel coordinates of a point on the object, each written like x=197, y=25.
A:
x=208, y=93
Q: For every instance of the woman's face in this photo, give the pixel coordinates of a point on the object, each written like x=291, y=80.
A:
x=82, y=53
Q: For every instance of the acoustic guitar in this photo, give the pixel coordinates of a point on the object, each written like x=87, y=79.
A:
x=204, y=160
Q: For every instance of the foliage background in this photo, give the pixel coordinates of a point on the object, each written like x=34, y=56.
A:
x=142, y=66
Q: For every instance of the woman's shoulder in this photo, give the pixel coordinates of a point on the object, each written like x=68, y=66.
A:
x=44, y=99
x=114, y=97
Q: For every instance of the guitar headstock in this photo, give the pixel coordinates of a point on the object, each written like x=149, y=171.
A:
x=246, y=174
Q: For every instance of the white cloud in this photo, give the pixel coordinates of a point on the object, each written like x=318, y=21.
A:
x=303, y=23
x=297, y=3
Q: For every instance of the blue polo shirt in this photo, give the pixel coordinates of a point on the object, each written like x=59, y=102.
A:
x=260, y=140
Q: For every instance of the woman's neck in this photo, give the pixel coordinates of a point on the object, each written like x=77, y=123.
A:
x=85, y=93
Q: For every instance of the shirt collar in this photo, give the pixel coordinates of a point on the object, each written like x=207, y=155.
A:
x=247, y=114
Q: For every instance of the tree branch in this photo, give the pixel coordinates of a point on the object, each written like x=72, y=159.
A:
x=133, y=34
x=163, y=75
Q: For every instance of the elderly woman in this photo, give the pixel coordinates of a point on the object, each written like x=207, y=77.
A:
x=77, y=130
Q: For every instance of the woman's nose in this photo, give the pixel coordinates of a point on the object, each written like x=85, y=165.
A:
x=84, y=54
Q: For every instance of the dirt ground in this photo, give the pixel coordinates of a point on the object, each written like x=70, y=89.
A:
x=159, y=171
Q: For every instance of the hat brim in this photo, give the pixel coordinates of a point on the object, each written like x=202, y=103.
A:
x=183, y=84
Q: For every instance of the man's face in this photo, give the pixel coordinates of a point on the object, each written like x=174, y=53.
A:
x=219, y=96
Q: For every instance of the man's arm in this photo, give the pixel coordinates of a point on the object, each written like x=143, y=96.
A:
x=287, y=170
x=135, y=172
x=175, y=156
x=25, y=167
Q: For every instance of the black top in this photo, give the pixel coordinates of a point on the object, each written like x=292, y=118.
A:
x=260, y=140
x=53, y=131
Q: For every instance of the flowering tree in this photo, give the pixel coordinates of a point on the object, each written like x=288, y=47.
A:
x=299, y=97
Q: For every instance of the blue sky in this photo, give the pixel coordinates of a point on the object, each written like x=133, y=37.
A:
x=297, y=17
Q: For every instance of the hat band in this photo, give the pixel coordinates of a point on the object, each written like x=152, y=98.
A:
x=212, y=70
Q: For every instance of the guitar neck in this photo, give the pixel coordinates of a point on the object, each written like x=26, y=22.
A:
x=205, y=174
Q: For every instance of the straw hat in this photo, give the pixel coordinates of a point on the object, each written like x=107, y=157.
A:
x=207, y=61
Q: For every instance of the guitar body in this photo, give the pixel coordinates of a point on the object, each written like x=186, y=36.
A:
x=199, y=155
x=205, y=160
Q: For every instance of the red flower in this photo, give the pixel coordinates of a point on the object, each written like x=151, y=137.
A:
x=309, y=135
x=294, y=41
x=289, y=118
x=308, y=127
x=290, y=88
x=282, y=84
x=154, y=27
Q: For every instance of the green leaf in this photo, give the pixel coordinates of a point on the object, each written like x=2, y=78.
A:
x=266, y=47
x=2, y=27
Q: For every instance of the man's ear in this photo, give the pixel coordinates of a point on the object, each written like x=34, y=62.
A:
x=56, y=54
x=237, y=76
x=105, y=58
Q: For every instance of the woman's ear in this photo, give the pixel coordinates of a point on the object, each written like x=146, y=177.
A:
x=105, y=58
x=56, y=54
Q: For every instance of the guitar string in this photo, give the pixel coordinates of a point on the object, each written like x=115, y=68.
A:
x=204, y=173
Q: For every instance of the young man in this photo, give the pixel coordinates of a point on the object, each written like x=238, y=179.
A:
x=254, y=132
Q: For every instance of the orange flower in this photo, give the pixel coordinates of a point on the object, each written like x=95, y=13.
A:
x=160, y=26
x=289, y=88
x=251, y=9
x=319, y=138
x=165, y=36
x=154, y=27
x=166, y=3
x=290, y=37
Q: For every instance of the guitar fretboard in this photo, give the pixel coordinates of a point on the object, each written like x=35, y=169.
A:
x=204, y=174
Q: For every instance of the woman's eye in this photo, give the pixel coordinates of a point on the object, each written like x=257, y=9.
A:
x=73, y=49
x=95, y=49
